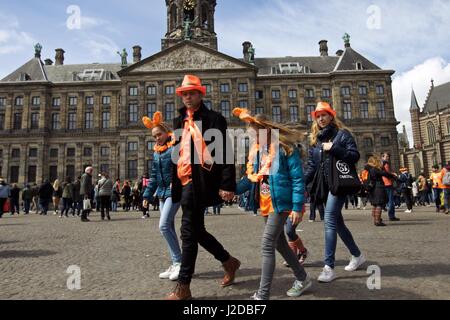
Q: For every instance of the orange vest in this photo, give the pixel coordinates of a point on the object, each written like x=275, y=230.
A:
x=436, y=177
x=387, y=182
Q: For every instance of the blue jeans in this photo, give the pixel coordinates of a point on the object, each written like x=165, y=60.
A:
x=114, y=206
x=334, y=225
x=447, y=198
x=437, y=197
x=167, y=228
x=390, y=205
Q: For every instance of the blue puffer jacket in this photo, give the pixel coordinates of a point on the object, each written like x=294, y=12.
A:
x=161, y=176
x=287, y=187
x=344, y=149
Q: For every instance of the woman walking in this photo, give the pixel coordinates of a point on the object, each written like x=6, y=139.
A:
x=126, y=192
x=160, y=183
x=276, y=171
x=57, y=194
x=377, y=190
x=5, y=192
x=67, y=197
x=329, y=137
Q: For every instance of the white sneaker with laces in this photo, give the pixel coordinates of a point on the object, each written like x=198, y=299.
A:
x=255, y=296
x=299, y=287
x=355, y=263
x=166, y=274
x=175, y=271
x=327, y=275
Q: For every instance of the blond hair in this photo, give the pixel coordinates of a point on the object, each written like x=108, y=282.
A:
x=375, y=162
x=315, y=129
x=288, y=137
x=56, y=184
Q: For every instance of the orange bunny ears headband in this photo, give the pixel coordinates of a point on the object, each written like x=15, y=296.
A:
x=245, y=116
x=156, y=122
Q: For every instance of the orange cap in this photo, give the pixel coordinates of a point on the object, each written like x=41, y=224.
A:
x=323, y=106
x=191, y=82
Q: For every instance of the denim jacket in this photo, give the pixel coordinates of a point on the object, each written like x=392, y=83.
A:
x=161, y=176
x=287, y=187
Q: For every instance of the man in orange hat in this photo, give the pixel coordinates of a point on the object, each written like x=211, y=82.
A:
x=198, y=186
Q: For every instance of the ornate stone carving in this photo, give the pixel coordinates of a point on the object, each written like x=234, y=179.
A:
x=188, y=58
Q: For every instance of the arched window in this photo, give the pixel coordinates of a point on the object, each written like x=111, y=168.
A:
x=431, y=133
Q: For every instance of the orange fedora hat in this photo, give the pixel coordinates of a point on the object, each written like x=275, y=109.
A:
x=190, y=83
x=323, y=106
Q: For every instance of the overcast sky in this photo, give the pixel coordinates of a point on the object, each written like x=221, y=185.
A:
x=410, y=37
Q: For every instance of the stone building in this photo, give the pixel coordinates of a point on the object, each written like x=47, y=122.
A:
x=55, y=119
x=431, y=131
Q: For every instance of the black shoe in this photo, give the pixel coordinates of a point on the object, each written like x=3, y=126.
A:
x=394, y=219
x=85, y=220
x=380, y=224
x=109, y=218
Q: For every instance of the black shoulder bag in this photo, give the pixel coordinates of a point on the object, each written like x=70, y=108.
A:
x=343, y=178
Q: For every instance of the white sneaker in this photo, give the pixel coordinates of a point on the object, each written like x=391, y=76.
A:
x=327, y=275
x=255, y=296
x=166, y=274
x=175, y=271
x=355, y=263
x=299, y=287
x=408, y=211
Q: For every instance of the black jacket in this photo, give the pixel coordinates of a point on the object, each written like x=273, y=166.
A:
x=345, y=149
x=46, y=191
x=206, y=183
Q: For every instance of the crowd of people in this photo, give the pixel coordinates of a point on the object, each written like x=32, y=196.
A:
x=66, y=198
x=276, y=185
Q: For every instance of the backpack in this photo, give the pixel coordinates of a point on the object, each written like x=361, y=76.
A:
x=367, y=183
x=446, y=179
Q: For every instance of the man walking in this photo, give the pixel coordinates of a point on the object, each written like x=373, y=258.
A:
x=200, y=185
x=86, y=188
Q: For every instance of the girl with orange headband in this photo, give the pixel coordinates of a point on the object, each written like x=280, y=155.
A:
x=275, y=179
x=160, y=183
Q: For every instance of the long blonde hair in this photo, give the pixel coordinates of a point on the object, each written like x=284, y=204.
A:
x=315, y=129
x=288, y=137
x=56, y=185
x=375, y=162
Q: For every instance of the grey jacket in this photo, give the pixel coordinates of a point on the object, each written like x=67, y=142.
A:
x=105, y=186
x=86, y=186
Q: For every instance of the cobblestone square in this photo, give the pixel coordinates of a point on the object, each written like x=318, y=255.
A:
x=121, y=259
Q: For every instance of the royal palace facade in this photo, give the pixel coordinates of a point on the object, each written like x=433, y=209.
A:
x=57, y=118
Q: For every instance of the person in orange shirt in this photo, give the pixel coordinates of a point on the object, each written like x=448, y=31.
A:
x=388, y=183
x=436, y=177
x=199, y=182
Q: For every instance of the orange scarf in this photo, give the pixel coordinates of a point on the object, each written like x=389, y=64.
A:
x=254, y=176
x=184, y=164
x=160, y=149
